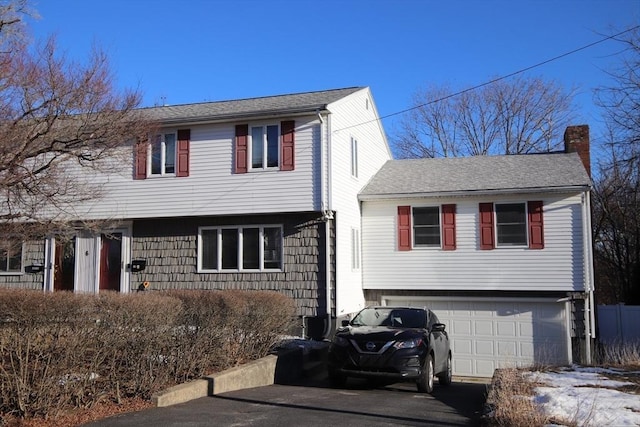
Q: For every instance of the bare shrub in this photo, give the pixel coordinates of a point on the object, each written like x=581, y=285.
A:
x=135, y=335
x=221, y=329
x=39, y=337
x=62, y=350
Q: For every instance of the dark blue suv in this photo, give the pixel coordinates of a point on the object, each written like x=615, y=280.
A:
x=391, y=344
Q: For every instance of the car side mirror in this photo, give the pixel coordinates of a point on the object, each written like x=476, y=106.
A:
x=438, y=327
x=344, y=323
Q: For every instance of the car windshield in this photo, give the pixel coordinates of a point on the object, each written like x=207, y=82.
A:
x=391, y=317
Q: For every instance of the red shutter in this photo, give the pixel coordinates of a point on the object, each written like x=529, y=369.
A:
x=140, y=160
x=404, y=228
x=287, y=146
x=536, y=229
x=242, y=140
x=449, y=227
x=184, y=136
x=486, y=226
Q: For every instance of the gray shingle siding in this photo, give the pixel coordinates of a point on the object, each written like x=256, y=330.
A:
x=170, y=248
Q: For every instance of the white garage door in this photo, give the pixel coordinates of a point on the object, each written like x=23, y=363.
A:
x=486, y=334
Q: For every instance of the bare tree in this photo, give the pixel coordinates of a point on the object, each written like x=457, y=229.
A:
x=516, y=116
x=616, y=215
x=60, y=121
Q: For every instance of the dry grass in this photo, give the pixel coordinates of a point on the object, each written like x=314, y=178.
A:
x=511, y=400
x=511, y=395
x=79, y=416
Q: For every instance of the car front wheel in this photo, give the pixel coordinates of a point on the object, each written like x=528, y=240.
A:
x=446, y=377
x=425, y=381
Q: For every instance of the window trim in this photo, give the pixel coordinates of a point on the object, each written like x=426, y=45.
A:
x=163, y=155
x=413, y=228
x=265, y=146
x=525, y=244
x=14, y=272
x=240, y=249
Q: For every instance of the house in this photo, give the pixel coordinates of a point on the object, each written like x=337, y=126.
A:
x=254, y=193
x=298, y=194
x=498, y=246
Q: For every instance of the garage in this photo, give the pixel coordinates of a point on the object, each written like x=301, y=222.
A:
x=488, y=333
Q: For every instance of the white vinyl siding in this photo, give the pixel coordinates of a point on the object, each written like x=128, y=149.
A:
x=211, y=187
x=373, y=152
x=557, y=267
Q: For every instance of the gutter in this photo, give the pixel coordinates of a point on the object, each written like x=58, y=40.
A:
x=473, y=193
x=231, y=117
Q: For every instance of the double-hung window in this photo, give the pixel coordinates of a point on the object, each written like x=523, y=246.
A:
x=11, y=256
x=247, y=248
x=511, y=224
x=265, y=146
x=162, y=154
x=426, y=226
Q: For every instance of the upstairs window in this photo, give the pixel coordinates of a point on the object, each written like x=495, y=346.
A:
x=265, y=146
x=251, y=248
x=426, y=226
x=511, y=224
x=163, y=154
x=11, y=256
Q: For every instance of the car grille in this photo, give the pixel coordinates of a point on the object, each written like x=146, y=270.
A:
x=371, y=347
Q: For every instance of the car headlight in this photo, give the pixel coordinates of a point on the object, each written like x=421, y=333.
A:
x=413, y=343
x=340, y=341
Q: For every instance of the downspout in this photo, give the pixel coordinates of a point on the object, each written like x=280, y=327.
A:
x=328, y=214
x=588, y=260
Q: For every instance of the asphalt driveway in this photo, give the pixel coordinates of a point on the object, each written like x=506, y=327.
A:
x=314, y=403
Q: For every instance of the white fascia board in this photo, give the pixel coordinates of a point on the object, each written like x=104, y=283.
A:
x=474, y=193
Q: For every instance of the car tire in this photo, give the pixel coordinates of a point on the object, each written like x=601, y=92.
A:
x=425, y=381
x=337, y=380
x=446, y=377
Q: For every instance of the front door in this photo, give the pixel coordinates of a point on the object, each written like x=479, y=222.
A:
x=110, y=261
x=64, y=265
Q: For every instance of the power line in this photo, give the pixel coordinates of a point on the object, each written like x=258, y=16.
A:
x=497, y=79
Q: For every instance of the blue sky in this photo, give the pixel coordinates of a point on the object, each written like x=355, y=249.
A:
x=184, y=51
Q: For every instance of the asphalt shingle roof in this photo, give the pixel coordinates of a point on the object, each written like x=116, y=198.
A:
x=279, y=104
x=478, y=174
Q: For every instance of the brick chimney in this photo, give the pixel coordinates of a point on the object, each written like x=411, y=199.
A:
x=576, y=140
